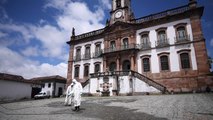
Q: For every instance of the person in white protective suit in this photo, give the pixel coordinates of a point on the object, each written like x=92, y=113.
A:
x=69, y=95
x=77, y=91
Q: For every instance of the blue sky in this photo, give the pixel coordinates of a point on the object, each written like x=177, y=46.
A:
x=33, y=33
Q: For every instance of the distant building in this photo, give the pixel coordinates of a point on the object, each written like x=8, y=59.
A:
x=52, y=85
x=14, y=87
x=160, y=52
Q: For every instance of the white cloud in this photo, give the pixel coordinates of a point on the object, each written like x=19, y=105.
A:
x=13, y=63
x=52, y=39
x=211, y=42
x=31, y=51
x=78, y=15
x=106, y=4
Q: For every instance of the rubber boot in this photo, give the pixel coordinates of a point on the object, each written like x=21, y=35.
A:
x=76, y=107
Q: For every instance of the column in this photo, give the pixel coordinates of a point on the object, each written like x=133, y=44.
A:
x=132, y=63
x=118, y=63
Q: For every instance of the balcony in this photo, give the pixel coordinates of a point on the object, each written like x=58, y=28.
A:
x=162, y=43
x=77, y=58
x=121, y=48
x=86, y=56
x=97, y=54
x=145, y=46
x=182, y=39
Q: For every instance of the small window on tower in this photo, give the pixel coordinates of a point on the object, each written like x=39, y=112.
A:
x=118, y=3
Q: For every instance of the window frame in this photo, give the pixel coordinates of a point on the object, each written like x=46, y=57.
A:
x=76, y=66
x=87, y=65
x=188, y=51
x=167, y=54
x=142, y=63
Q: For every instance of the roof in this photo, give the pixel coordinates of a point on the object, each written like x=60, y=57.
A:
x=16, y=78
x=55, y=78
x=184, y=10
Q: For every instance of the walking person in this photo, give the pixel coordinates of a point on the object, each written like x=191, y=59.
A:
x=69, y=95
x=77, y=91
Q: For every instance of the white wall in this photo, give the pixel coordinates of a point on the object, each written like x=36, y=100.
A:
x=140, y=86
x=48, y=89
x=58, y=85
x=173, y=56
x=12, y=90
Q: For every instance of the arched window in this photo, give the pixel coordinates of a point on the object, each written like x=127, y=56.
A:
x=112, y=66
x=185, y=61
x=76, y=75
x=146, y=65
x=144, y=38
x=125, y=43
x=162, y=36
x=78, y=54
x=181, y=32
x=97, y=68
x=113, y=45
x=87, y=53
x=164, y=62
x=86, y=70
x=118, y=3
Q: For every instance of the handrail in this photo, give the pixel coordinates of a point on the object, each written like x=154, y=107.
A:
x=162, y=14
x=89, y=34
x=149, y=81
x=121, y=47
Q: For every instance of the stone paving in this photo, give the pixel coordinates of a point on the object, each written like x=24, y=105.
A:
x=150, y=107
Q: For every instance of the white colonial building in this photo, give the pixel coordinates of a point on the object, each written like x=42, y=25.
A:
x=159, y=53
x=52, y=85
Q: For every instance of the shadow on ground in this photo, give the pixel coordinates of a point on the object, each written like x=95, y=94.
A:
x=100, y=111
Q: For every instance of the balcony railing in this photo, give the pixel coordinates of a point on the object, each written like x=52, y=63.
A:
x=121, y=48
x=77, y=58
x=86, y=56
x=162, y=42
x=182, y=39
x=144, y=46
x=170, y=12
x=97, y=54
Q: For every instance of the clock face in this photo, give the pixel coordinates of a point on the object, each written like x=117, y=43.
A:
x=118, y=14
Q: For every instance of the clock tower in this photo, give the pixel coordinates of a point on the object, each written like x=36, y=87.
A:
x=121, y=11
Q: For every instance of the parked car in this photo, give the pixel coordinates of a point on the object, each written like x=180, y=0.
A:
x=41, y=95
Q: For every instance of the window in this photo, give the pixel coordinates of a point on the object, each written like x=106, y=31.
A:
x=76, y=75
x=87, y=52
x=112, y=45
x=97, y=68
x=86, y=71
x=78, y=54
x=162, y=36
x=112, y=66
x=146, y=65
x=145, y=39
x=97, y=50
x=49, y=85
x=125, y=43
x=164, y=62
x=185, y=63
x=181, y=32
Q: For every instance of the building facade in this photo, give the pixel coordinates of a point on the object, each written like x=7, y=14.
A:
x=161, y=52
